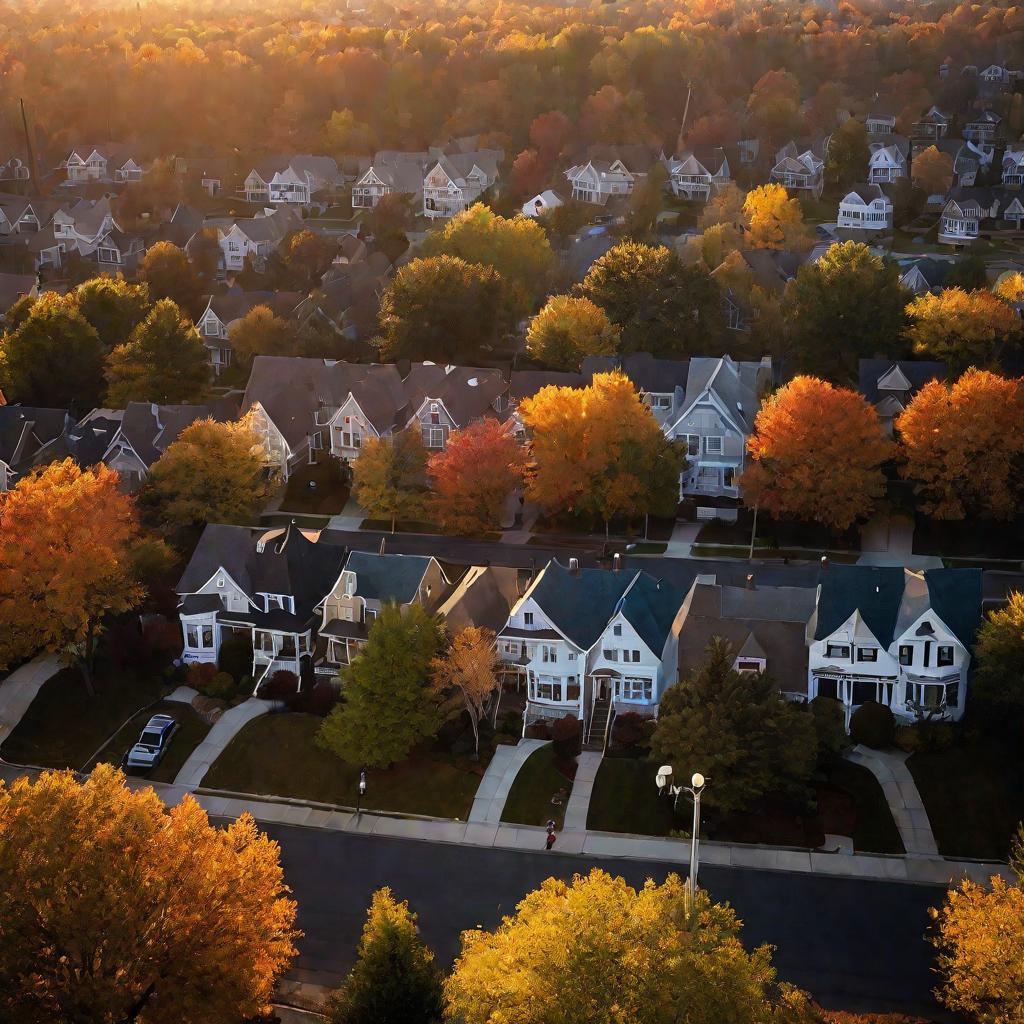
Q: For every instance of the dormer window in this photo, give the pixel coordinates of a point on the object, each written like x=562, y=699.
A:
x=220, y=581
x=617, y=629
x=867, y=654
x=945, y=655
x=837, y=651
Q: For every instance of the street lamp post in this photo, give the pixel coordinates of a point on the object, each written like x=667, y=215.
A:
x=696, y=787
x=362, y=792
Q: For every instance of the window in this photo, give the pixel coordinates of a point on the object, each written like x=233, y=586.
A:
x=636, y=688
x=510, y=648
x=610, y=655
x=316, y=441
x=661, y=401
x=837, y=651
x=867, y=654
x=433, y=437
x=829, y=688
x=220, y=581
x=906, y=654
x=371, y=615
x=713, y=445
x=927, y=695
x=952, y=695
x=274, y=601
x=199, y=636
x=864, y=691
x=692, y=444
x=633, y=656
x=548, y=652
x=547, y=688
x=528, y=618
x=748, y=666
x=945, y=655
x=617, y=629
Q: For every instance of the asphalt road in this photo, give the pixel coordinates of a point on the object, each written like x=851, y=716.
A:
x=855, y=945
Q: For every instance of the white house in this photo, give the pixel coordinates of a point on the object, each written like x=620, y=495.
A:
x=266, y=587
x=932, y=126
x=715, y=419
x=302, y=178
x=454, y=182
x=983, y=127
x=964, y=213
x=596, y=181
x=880, y=121
x=698, y=175
x=591, y=643
x=894, y=636
x=255, y=238
x=1013, y=165
x=390, y=172
x=100, y=163
x=865, y=207
x=886, y=163
x=803, y=172
x=890, y=385
x=542, y=203
x=223, y=312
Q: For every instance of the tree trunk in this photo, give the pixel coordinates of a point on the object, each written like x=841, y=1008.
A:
x=87, y=662
x=139, y=1005
x=476, y=736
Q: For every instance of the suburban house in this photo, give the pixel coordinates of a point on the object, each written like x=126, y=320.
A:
x=890, y=385
x=996, y=78
x=446, y=398
x=699, y=174
x=659, y=381
x=763, y=625
x=965, y=211
x=146, y=431
x=14, y=169
x=1013, y=165
x=455, y=181
x=255, y=238
x=483, y=598
x=591, y=643
x=376, y=406
x=348, y=298
x=880, y=121
x=932, y=126
x=1013, y=213
x=865, y=207
x=609, y=171
x=390, y=172
x=925, y=275
x=802, y=171
x=303, y=178
x=265, y=586
x=983, y=127
x=368, y=582
x=224, y=311
x=542, y=203
x=887, y=163
x=969, y=159
x=83, y=442
x=23, y=431
x=526, y=383
x=14, y=287
x=19, y=215
x=108, y=162
x=715, y=418
x=895, y=636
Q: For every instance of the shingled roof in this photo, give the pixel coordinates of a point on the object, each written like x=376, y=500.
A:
x=387, y=577
x=875, y=591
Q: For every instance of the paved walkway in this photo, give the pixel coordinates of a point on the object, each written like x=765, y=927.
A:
x=223, y=732
x=349, y=518
x=889, y=540
x=890, y=768
x=494, y=787
x=19, y=689
x=582, y=786
x=680, y=545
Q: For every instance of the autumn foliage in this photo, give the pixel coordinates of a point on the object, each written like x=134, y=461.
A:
x=962, y=328
x=816, y=454
x=474, y=475
x=117, y=909
x=962, y=445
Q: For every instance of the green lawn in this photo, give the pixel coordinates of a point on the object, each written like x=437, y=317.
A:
x=529, y=800
x=191, y=731
x=793, y=554
x=64, y=726
x=874, y=830
x=974, y=796
x=276, y=755
x=625, y=799
x=327, y=498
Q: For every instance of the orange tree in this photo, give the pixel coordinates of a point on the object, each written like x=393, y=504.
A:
x=963, y=328
x=816, y=453
x=66, y=540
x=962, y=444
x=474, y=475
x=599, y=451
x=115, y=909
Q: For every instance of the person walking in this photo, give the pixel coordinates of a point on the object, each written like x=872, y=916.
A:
x=550, y=841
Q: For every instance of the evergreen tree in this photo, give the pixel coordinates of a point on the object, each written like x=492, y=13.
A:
x=113, y=307
x=387, y=704
x=395, y=979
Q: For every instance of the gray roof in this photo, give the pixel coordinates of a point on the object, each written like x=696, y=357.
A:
x=467, y=392
x=874, y=591
x=235, y=303
x=917, y=371
x=387, y=577
x=14, y=287
x=526, y=383
x=646, y=372
x=25, y=429
x=483, y=598
x=738, y=385
x=150, y=428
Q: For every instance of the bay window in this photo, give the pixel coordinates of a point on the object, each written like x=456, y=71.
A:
x=199, y=636
x=546, y=688
x=636, y=688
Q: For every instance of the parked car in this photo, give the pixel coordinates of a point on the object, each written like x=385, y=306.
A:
x=153, y=743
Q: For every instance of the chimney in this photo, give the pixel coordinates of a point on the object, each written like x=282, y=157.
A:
x=616, y=562
x=824, y=562
x=750, y=581
x=574, y=566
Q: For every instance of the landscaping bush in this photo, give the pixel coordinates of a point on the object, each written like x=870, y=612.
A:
x=632, y=730
x=236, y=655
x=199, y=674
x=830, y=726
x=282, y=685
x=567, y=736
x=925, y=736
x=163, y=636
x=873, y=725
x=539, y=730
x=511, y=723
x=221, y=687
x=318, y=699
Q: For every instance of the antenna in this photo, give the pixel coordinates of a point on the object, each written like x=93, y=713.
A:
x=686, y=111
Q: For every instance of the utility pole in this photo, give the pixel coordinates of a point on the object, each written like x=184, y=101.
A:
x=30, y=152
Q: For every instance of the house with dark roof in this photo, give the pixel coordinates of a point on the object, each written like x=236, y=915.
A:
x=84, y=442
x=801, y=171
x=932, y=126
x=889, y=385
x=657, y=380
x=224, y=311
x=483, y=598
x=924, y=275
x=609, y=171
x=267, y=586
x=454, y=181
x=14, y=287
x=368, y=582
x=443, y=399
x=146, y=430
x=894, y=636
x=764, y=626
x=700, y=173
x=591, y=643
x=390, y=173
x=25, y=430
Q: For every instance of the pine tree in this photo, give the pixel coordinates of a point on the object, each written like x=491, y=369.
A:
x=395, y=980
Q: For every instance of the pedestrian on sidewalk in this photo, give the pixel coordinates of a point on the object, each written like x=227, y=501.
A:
x=550, y=841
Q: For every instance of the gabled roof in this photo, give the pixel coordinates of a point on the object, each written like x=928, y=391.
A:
x=646, y=372
x=387, y=577
x=14, y=287
x=736, y=385
x=526, y=383
x=865, y=192
x=876, y=592
x=150, y=428
x=955, y=596
x=483, y=598
x=467, y=392
x=24, y=429
x=915, y=373
x=235, y=303
x=650, y=607
x=933, y=271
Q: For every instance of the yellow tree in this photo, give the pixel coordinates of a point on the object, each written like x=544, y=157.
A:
x=66, y=540
x=115, y=909
x=725, y=207
x=568, y=329
x=980, y=938
x=469, y=666
x=599, y=451
x=775, y=221
x=933, y=171
x=816, y=453
x=962, y=444
x=1011, y=287
x=597, y=951
x=389, y=479
x=961, y=328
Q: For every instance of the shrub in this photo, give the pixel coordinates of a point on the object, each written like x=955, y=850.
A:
x=539, y=730
x=318, y=699
x=221, y=687
x=567, y=736
x=236, y=655
x=631, y=729
x=199, y=674
x=873, y=725
x=512, y=723
x=830, y=726
x=927, y=736
x=163, y=635
x=282, y=685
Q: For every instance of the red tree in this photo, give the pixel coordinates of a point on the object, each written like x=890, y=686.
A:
x=549, y=133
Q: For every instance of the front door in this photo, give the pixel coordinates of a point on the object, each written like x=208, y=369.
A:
x=602, y=689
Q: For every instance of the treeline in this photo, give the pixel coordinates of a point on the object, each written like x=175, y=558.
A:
x=186, y=78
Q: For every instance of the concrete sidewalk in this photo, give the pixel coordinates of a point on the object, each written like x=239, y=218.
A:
x=905, y=802
x=19, y=689
x=578, y=807
x=223, y=732
x=494, y=787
